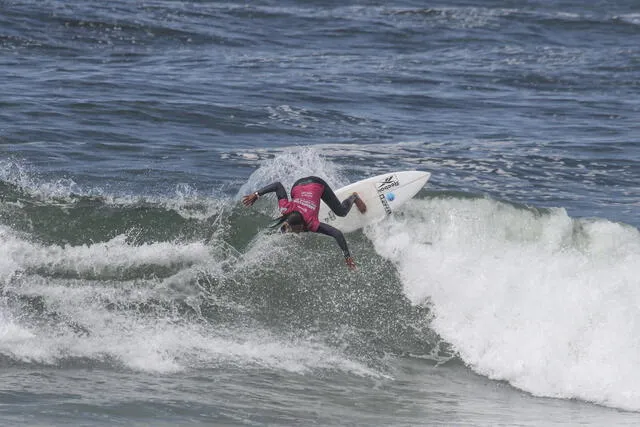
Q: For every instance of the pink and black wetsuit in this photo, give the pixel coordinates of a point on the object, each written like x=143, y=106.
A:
x=305, y=198
x=306, y=194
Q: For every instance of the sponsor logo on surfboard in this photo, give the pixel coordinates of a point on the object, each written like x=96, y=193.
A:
x=389, y=182
x=385, y=204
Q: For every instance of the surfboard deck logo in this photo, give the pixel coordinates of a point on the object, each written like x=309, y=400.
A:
x=388, y=183
x=385, y=204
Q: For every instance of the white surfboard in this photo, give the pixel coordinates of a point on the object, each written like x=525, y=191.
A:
x=383, y=194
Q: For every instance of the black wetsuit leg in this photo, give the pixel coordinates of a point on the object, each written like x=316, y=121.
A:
x=329, y=197
x=340, y=209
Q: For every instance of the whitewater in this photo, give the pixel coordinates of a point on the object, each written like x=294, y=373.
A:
x=534, y=297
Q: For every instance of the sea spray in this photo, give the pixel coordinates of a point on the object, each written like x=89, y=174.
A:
x=290, y=166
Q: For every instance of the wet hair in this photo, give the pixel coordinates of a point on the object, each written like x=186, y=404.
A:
x=293, y=219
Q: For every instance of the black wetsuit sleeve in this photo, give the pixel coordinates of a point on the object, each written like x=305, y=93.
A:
x=281, y=193
x=336, y=234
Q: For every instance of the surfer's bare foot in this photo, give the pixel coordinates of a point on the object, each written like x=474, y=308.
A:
x=362, y=207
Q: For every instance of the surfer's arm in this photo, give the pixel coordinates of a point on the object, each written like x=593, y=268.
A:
x=328, y=230
x=281, y=193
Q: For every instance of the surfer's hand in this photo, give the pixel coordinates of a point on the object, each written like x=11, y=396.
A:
x=350, y=263
x=250, y=199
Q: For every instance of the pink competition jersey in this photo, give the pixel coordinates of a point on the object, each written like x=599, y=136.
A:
x=306, y=200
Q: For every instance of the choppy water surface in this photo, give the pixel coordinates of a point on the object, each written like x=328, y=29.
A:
x=135, y=289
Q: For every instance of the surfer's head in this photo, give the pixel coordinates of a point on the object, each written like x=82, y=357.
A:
x=291, y=222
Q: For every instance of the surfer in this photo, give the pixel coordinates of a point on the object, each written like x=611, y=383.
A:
x=301, y=212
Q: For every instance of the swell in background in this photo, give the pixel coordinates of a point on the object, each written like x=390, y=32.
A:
x=535, y=102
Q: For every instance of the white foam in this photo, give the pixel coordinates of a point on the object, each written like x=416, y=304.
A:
x=157, y=342
x=186, y=200
x=97, y=318
x=10, y=331
x=22, y=175
x=629, y=18
x=546, y=302
x=104, y=259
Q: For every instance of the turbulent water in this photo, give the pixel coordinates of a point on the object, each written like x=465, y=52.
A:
x=135, y=289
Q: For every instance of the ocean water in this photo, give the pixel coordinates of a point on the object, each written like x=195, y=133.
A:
x=136, y=290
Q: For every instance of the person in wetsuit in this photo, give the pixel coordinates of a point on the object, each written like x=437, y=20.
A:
x=301, y=212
